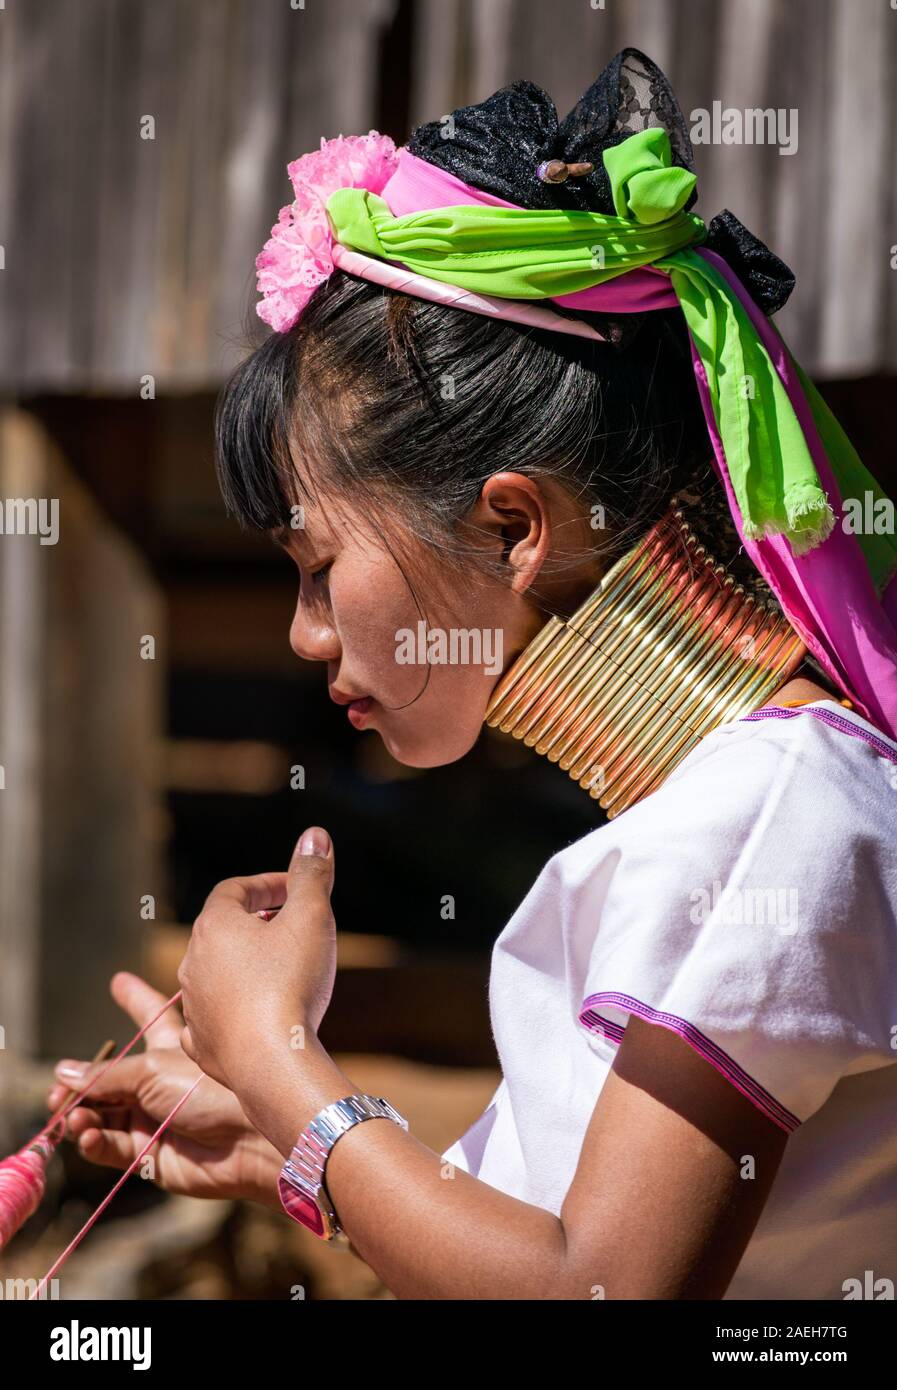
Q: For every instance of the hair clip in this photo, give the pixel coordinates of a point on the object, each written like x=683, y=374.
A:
x=556, y=171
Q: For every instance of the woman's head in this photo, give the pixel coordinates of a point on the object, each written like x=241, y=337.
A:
x=426, y=466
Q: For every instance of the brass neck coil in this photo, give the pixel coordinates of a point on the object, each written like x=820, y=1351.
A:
x=667, y=648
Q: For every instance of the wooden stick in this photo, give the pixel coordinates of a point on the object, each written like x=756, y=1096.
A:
x=105, y=1051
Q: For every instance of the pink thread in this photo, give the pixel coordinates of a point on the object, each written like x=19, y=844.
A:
x=22, y=1186
x=113, y=1061
x=23, y=1174
x=108, y=1198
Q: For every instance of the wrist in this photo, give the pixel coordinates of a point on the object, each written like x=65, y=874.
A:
x=281, y=1095
x=303, y=1187
x=261, y=1171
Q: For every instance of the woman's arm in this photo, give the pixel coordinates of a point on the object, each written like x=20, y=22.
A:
x=674, y=1172
x=675, y=1166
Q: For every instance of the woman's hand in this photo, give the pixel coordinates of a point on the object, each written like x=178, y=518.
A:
x=255, y=991
x=210, y=1150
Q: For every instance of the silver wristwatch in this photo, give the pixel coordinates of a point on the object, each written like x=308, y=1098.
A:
x=303, y=1195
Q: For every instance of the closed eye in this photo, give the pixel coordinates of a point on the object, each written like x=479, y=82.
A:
x=317, y=575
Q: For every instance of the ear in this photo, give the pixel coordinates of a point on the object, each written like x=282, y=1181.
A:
x=514, y=509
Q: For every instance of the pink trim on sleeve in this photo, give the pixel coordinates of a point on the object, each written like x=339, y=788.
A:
x=724, y=1064
x=884, y=748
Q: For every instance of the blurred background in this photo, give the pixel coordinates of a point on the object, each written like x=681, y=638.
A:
x=152, y=716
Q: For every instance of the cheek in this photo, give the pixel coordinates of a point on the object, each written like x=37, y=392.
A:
x=373, y=611
x=430, y=714
x=370, y=605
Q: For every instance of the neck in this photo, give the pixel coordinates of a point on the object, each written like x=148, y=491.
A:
x=665, y=649
x=802, y=692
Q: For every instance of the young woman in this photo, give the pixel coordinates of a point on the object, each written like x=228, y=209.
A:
x=636, y=497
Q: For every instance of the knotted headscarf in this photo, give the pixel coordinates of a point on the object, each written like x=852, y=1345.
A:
x=624, y=241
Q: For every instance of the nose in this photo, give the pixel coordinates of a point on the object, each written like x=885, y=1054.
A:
x=312, y=638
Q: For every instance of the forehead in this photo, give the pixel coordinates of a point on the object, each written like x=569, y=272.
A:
x=314, y=523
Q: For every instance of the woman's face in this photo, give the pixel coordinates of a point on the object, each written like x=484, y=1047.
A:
x=420, y=672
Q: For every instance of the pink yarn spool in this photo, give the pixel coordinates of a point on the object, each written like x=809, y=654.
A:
x=23, y=1175
x=23, y=1181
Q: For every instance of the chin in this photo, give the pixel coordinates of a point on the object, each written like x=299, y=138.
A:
x=430, y=752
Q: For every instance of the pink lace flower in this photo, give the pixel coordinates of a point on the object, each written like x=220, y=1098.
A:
x=296, y=258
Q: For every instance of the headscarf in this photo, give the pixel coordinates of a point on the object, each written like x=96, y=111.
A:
x=623, y=241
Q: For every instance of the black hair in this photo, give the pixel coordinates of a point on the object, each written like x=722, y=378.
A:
x=404, y=408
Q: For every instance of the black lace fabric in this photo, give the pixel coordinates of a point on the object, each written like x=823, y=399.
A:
x=498, y=144
x=646, y=99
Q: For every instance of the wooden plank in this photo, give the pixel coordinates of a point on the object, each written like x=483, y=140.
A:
x=80, y=715
x=801, y=209
x=23, y=473
x=128, y=256
x=860, y=144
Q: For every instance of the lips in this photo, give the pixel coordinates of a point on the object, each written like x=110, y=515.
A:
x=358, y=711
x=358, y=705
x=340, y=697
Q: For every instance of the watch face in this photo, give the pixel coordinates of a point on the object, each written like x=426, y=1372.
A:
x=303, y=1209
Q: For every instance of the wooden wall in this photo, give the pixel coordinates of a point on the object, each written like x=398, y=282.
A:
x=127, y=256
x=81, y=834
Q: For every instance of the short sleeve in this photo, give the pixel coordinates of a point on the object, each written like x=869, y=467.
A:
x=749, y=907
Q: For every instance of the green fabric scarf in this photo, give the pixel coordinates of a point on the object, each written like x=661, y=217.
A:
x=533, y=254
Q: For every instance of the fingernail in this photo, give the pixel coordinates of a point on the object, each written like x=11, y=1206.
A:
x=68, y=1068
x=314, y=841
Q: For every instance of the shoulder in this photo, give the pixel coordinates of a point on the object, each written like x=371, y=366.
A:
x=750, y=904
x=784, y=826
x=806, y=790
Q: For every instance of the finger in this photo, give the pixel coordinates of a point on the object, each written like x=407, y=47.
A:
x=120, y=1084
x=142, y=1002
x=311, y=872
x=117, y=1117
x=251, y=893
x=56, y=1095
x=186, y=1042
x=81, y=1118
x=109, y=1147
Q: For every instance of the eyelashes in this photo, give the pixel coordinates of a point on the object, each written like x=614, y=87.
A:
x=317, y=576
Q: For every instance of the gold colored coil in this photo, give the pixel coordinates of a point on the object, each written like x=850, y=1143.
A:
x=667, y=648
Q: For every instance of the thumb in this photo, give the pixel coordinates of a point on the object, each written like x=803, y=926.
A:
x=311, y=868
x=144, y=1003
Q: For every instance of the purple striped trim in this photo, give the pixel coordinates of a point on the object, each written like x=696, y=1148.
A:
x=596, y=1024
x=836, y=721
x=723, y=1063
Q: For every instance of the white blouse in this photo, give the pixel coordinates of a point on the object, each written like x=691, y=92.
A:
x=749, y=905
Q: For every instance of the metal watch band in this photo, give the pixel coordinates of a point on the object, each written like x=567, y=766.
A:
x=304, y=1169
